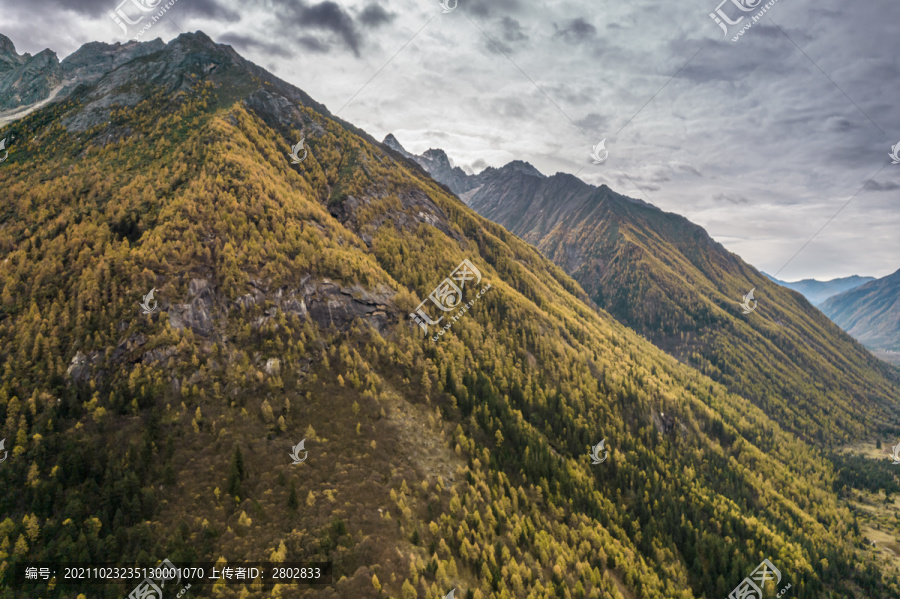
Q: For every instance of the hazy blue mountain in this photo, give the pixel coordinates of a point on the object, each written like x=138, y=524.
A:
x=819, y=291
x=871, y=314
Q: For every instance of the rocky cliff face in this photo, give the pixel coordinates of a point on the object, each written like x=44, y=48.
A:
x=30, y=78
x=9, y=58
x=94, y=60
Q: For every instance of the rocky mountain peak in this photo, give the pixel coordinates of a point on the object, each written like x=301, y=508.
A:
x=438, y=155
x=95, y=59
x=392, y=142
x=26, y=80
x=7, y=46
x=9, y=58
x=521, y=166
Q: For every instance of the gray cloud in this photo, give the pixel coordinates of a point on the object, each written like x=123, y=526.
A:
x=576, y=31
x=689, y=169
x=512, y=30
x=330, y=16
x=886, y=186
x=731, y=197
x=246, y=42
x=210, y=9
x=86, y=7
x=327, y=16
x=593, y=122
x=487, y=8
x=374, y=15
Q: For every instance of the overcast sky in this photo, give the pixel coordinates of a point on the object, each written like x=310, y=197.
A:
x=760, y=141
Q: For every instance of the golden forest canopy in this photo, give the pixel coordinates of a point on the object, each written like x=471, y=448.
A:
x=284, y=298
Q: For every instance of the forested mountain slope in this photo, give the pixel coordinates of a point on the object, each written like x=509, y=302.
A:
x=284, y=293
x=666, y=278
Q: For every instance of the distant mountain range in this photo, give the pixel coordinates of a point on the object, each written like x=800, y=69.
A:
x=666, y=278
x=819, y=291
x=871, y=313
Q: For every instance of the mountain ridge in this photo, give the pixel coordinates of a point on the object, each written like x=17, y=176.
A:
x=818, y=291
x=669, y=280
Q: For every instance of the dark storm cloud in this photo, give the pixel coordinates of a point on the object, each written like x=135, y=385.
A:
x=246, y=42
x=575, y=31
x=513, y=108
x=328, y=16
x=313, y=44
x=374, y=15
x=86, y=7
x=206, y=8
x=512, y=30
x=487, y=8
x=731, y=198
x=331, y=17
x=210, y=9
x=497, y=47
x=840, y=125
x=689, y=169
x=887, y=186
x=593, y=122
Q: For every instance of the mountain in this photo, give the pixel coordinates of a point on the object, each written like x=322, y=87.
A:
x=437, y=164
x=140, y=428
x=819, y=291
x=667, y=279
x=871, y=314
x=28, y=82
x=435, y=161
